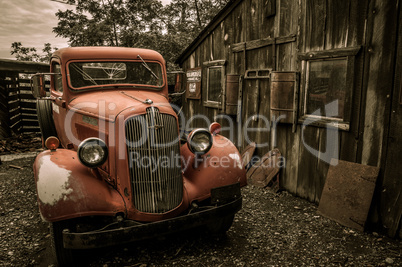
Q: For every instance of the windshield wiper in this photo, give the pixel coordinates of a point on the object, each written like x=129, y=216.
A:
x=147, y=67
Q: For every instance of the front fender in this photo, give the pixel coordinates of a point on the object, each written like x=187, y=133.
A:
x=221, y=166
x=67, y=189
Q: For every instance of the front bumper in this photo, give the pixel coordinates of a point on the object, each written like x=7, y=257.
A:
x=128, y=233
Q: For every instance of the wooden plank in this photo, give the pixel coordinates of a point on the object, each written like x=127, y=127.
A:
x=293, y=160
x=32, y=116
x=380, y=77
x=14, y=113
x=15, y=124
x=337, y=24
x=13, y=105
x=219, y=42
x=285, y=56
x=349, y=150
x=357, y=22
x=26, y=91
x=391, y=199
x=310, y=137
x=282, y=145
x=267, y=20
x=237, y=22
x=28, y=110
x=260, y=43
x=264, y=134
x=326, y=145
x=286, y=26
x=344, y=52
x=317, y=10
x=252, y=19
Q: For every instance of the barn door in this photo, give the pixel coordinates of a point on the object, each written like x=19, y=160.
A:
x=255, y=109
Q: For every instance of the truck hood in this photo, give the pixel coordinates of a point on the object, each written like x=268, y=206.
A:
x=108, y=105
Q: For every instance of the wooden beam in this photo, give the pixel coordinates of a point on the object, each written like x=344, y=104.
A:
x=342, y=52
x=23, y=66
x=255, y=44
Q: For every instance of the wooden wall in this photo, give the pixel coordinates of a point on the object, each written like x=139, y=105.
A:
x=248, y=35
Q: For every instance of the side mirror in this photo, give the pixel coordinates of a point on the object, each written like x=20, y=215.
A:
x=38, y=85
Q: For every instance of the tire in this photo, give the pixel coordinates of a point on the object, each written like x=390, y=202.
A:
x=45, y=118
x=63, y=256
x=221, y=225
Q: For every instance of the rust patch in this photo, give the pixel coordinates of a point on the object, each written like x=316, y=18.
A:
x=347, y=193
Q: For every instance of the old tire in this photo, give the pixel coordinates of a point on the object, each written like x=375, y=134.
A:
x=63, y=256
x=45, y=118
x=221, y=225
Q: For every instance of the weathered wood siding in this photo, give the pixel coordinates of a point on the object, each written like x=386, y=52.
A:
x=17, y=104
x=390, y=197
x=249, y=36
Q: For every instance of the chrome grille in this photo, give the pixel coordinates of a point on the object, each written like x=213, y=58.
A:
x=153, y=150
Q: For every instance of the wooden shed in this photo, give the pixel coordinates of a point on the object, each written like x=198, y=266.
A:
x=17, y=104
x=319, y=79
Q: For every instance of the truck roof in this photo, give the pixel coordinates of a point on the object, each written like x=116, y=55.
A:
x=100, y=52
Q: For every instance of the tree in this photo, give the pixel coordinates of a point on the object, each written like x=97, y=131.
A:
x=30, y=53
x=136, y=23
x=107, y=22
x=131, y=23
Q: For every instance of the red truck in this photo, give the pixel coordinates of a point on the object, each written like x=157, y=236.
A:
x=117, y=168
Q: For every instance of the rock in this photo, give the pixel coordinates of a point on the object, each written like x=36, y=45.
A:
x=389, y=261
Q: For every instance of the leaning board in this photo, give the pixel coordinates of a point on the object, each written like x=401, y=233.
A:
x=347, y=193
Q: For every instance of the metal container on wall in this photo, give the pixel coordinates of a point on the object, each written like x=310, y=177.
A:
x=283, y=89
x=232, y=91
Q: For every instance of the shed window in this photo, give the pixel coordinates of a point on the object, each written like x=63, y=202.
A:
x=215, y=83
x=326, y=83
x=327, y=87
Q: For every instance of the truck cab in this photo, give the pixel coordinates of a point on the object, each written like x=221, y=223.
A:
x=116, y=167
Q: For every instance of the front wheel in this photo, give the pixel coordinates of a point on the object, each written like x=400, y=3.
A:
x=63, y=256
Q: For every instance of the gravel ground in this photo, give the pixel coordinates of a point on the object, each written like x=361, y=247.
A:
x=271, y=230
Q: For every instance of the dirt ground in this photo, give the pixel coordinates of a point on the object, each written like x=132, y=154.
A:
x=272, y=229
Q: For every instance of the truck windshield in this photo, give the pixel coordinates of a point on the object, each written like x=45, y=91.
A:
x=89, y=74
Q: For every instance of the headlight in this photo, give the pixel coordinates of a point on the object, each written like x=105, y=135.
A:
x=92, y=152
x=199, y=141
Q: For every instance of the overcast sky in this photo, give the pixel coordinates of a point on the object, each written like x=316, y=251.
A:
x=30, y=22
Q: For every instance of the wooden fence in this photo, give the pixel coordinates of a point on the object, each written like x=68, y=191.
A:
x=17, y=104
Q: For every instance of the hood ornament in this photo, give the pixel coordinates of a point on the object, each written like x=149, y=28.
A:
x=148, y=101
